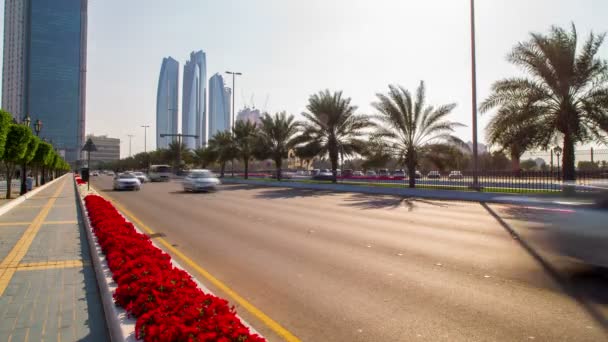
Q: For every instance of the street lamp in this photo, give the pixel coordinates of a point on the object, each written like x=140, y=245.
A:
x=145, y=127
x=38, y=127
x=474, y=97
x=234, y=74
x=558, y=151
x=26, y=122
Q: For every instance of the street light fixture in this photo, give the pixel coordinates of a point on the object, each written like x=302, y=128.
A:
x=38, y=127
x=558, y=151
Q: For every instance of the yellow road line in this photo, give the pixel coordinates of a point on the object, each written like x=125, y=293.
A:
x=269, y=322
x=45, y=265
x=8, y=266
x=8, y=224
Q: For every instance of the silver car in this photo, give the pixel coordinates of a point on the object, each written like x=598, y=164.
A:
x=141, y=176
x=200, y=180
x=126, y=181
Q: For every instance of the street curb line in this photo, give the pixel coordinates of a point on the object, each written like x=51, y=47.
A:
x=15, y=202
x=120, y=326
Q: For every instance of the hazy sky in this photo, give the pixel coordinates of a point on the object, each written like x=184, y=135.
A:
x=288, y=50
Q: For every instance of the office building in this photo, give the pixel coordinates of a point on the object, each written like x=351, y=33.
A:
x=44, y=68
x=194, y=100
x=167, y=102
x=219, y=105
x=108, y=149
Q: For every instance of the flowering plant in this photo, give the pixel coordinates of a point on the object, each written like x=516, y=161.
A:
x=166, y=302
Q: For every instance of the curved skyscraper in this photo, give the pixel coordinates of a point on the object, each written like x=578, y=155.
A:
x=219, y=105
x=166, y=102
x=194, y=101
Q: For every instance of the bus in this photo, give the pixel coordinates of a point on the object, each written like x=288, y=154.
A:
x=159, y=173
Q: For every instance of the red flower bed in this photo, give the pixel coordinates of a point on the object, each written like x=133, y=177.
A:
x=167, y=303
x=79, y=180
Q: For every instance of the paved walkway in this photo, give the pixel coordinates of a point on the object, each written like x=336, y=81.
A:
x=48, y=289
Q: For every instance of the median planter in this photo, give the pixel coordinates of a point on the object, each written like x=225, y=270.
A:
x=165, y=301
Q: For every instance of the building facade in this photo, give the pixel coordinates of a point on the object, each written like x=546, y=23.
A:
x=167, y=102
x=44, y=69
x=250, y=114
x=219, y=105
x=194, y=100
x=108, y=149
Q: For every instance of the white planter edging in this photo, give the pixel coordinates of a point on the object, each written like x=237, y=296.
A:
x=15, y=202
x=120, y=326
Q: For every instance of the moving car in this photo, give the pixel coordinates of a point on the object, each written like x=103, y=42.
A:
x=159, y=173
x=141, y=176
x=399, y=173
x=383, y=173
x=200, y=180
x=126, y=181
x=324, y=174
x=433, y=175
x=358, y=174
x=455, y=175
x=94, y=173
x=371, y=174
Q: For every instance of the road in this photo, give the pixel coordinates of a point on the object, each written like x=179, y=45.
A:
x=354, y=267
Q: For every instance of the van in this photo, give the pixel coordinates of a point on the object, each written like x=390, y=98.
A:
x=159, y=173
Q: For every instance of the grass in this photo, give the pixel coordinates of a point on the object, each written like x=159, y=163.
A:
x=503, y=190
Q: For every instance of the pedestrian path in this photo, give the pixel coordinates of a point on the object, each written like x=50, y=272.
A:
x=48, y=289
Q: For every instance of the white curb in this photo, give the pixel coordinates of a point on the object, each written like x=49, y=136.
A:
x=15, y=202
x=120, y=326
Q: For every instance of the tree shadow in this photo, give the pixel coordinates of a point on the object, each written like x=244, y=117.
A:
x=583, y=286
x=285, y=193
x=365, y=202
x=236, y=187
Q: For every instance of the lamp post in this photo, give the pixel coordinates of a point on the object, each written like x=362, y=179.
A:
x=130, y=137
x=474, y=97
x=234, y=74
x=145, y=127
x=37, y=129
x=558, y=151
x=26, y=122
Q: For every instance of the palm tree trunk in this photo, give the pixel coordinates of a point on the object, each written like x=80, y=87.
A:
x=411, y=168
x=222, y=169
x=279, y=165
x=246, y=162
x=333, y=156
x=569, y=173
x=515, y=161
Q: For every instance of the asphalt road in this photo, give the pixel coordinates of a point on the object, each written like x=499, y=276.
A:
x=354, y=267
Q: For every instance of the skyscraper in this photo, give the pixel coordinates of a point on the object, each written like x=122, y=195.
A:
x=44, y=69
x=166, y=102
x=219, y=108
x=194, y=100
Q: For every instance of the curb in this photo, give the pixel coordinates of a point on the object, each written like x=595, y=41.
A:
x=16, y=201
x=120, y=326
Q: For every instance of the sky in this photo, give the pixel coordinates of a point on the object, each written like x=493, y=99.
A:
x=289, y=50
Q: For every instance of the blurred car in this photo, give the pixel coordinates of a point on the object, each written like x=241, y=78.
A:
x=383, y=173
x=347, y=173
x=200, y=180
x=94, y=173
x=324, y=174
x=455, y=175
x=399, y=173
x=433, y=175
x=126, y=181
x=418, y=174
x=358, y=174
x=315, y=172
x=371, y=174
x=142, y=177
x=159, y=173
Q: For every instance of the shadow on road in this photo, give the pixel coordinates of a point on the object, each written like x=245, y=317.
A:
x=284, y=193
x=236, y=187
x=584, y=287
x=365, y=201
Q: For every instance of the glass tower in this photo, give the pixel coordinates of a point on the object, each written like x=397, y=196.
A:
x=194, y=100
x=166, y=102
x=219, y=105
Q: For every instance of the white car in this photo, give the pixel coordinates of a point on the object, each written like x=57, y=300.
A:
x=200, y=180
x=142, y=177
x=126, y=181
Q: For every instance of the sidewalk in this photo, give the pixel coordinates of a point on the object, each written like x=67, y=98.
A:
x=48, y=289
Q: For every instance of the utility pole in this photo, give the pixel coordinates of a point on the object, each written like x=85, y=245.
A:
x=474, y=99
x=145, y=127
x=130, y=137
x=234, y=74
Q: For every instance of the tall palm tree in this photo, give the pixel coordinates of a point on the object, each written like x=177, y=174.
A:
x=177, y=152
x=245, y=133
x=569, y=89
x=223, y=144
x=277, y=137
x=411, y=128
x=205, y=156
x=333, y=127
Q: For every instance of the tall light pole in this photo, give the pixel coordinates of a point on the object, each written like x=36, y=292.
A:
x=234, y=74
x=130, y=137
x=474, y=98
x=145, y=127
x=26, y=122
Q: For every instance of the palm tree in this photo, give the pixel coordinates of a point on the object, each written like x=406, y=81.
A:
x=177, y=152
x=205, y=156
x=277, y=137
x=569, y=89
x=411, y=128
x=223, y=144
x=333, y=127
x=245, y=133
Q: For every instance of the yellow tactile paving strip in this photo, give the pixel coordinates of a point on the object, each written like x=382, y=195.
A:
x=45, y=265
x=24, y=223
x=9, y=265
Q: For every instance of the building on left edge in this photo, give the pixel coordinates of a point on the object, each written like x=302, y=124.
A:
x=44, y=68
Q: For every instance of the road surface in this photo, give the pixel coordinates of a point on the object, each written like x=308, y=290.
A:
x=355, y=267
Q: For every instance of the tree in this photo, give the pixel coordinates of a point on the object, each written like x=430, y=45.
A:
x=528, y=165
x=245, y=133
x=568, y=90
x=223, y=144
x=32, y=147
x=205, y=156
x=177, y=152
x=277, y=137
x=376, y=154
x=332, y=126
x=410, y=127
x=17, y=141
x=39, y=161
x=308, y=152
x=6, y=120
